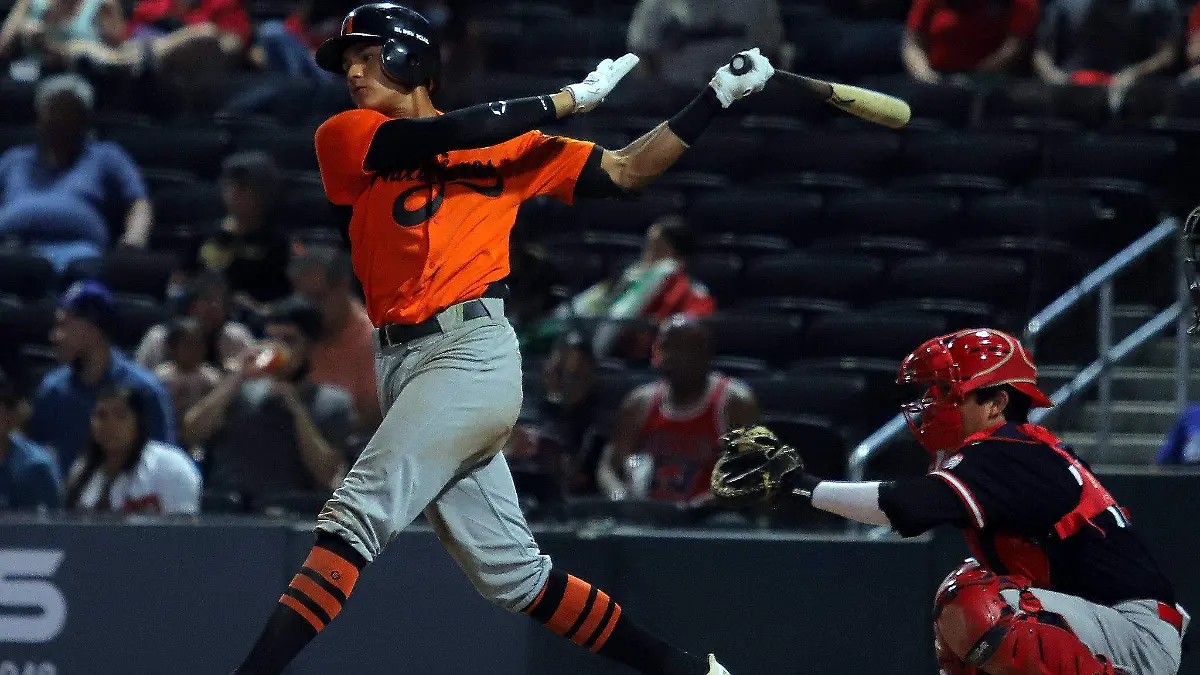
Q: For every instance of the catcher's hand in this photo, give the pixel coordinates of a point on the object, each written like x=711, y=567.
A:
x=752, y=466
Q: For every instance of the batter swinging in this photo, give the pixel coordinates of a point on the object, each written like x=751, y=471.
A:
x=434, y=198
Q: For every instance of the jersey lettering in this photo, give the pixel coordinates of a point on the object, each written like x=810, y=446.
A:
x=479, y=177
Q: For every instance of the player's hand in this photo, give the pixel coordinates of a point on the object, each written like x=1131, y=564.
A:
x=730, y=87
x=599, y=83
x=752, y=467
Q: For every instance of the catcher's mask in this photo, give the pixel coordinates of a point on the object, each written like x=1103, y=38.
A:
x=409, y=52
x=948, y=368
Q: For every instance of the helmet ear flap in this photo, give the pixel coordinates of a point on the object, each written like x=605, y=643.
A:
x=406, y=67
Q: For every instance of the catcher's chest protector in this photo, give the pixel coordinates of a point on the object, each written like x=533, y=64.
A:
x=976, y=631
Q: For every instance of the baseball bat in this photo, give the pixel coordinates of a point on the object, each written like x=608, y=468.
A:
x=872, y=106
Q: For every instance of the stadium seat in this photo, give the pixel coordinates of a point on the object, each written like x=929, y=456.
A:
x=883, y=246
x=747, y=245
x=837, y=396
x=81, y=269
x=821, y=446
x=944, y=104
x=306, y=208
x=27, y=322
x=135, y=314
x=849, y=277
x=1059, y=216
x=604, y=243
x=912, y=214
x=212, y=501
x=25, y=275
x=719, y=272
x=879, y=373
x=1127, y=208
x=1002, y=282
x=1185, y=103
x=864, y=154
x=785, y=305
x=613, y=386
x=1009, y=157
x=293, y=149
x=757, y=336
x=886, y=335
x=578, y=267
x=1053, y=265
x=158, y=180
x=1144, y=158
x=139, y=272
x=11, y=136
x=16, y=102
x=959, y=313
x=962, y=185
x=197, y=150
x=198, y=204
x=585, y=38
x=1036, y=106
x=622, y=215
x=789, y=214
x=741, y=366
x=732, y=154
x=693, y=183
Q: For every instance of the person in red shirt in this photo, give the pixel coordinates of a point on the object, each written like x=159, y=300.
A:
x=434, y=198
x=945, y=37
x=1192, y=48
x=185, y=36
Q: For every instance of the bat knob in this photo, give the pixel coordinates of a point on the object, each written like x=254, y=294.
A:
x=739, y=65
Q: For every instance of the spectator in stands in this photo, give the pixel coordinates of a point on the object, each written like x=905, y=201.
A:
x=961, y=37
x=185, y=374
x=64, y=401
x=69, y=195
x=287, y=46
x=247, y=245
x=653, y=288
x=673, y=425
x=1183, y=441
x=559, y=440
x=123, y=471
x=1106, y=42
x=683, y=41
x=206, y=298
x=29, y=477
x=1192, y=48
x=345, y=355
x=268, y=428
x=53, y=35
x=191, y=37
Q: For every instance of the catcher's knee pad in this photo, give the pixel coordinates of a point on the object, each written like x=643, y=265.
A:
x=976, y=630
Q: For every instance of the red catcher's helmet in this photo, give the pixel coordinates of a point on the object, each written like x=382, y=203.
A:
x=950, y=367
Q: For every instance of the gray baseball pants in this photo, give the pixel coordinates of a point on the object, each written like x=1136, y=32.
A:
x=450, y=401
x=1129, y=634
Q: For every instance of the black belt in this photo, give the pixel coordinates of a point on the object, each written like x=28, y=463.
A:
x=393, y=334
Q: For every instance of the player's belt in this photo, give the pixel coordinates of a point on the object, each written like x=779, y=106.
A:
x=393, y=334
x=1171, y=615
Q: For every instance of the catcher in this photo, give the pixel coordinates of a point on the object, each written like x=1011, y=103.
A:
x=1060, y=583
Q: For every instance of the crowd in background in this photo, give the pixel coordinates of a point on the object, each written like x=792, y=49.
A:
x=261, y=386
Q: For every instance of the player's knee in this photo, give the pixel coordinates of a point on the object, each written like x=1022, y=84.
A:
x=513, y=587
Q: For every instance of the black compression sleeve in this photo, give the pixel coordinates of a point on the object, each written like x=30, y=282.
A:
x=690, y=122
x=594, y=182
x=404, y=143
x=918, y=505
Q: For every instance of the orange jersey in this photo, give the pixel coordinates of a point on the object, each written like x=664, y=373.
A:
x=420, y=245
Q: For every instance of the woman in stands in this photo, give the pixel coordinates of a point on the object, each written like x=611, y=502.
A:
x=123, y=471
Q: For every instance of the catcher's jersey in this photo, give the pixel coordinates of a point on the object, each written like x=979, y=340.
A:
x=1023, y=502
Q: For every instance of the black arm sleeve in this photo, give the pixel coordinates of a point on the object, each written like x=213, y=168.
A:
x=401, y=144
x=918, y=505
x=594, y=182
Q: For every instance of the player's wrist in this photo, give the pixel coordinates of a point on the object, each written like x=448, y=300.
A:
x=688, y=124
x=800, y=484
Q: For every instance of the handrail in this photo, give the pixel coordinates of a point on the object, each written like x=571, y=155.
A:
x=1098, y=280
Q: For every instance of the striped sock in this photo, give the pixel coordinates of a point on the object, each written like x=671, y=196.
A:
x=313, y=599
x=587, y=616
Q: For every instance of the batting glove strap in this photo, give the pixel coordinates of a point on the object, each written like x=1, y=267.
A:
x=800, y=484
x=730, y=87
x=599, y=83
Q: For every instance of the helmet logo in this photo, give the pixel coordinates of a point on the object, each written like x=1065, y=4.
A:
x=348, y=25
x=409, y=33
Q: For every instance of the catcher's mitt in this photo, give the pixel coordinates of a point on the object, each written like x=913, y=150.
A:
x=752, y=466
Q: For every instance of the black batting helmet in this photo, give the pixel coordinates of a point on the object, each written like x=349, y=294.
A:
x=410, y=52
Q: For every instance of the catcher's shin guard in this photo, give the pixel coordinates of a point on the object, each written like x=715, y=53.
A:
x=976, y=631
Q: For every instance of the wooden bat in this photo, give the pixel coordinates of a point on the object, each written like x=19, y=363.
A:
x=872, y=106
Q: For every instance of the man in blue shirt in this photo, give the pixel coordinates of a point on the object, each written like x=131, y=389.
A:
x=69, y=195
x=29, y=478
x=1183, y=441
x=62, y=408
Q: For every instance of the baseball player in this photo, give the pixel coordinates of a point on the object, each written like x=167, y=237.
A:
x=1060, y=583
x=434, y=198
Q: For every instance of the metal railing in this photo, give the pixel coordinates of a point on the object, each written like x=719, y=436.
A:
x=1099, y=282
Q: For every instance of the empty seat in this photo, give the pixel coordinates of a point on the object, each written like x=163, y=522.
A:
x=732, y=154
x=843, y=276
x=1149, y=159
x=868, y=154
x=1126, y=207
x=626, y=215
x=1009, y=157
x=302, y=209
x=605, y=243
x=999, y=281
x=198, y=204
x=918, y=214
x=961, y=184
x=1053, y=266
x=576, y=37
x=292, y=149
x=747, y=245
x=27, y=322
x=139, y=272
x=883, y=246
x=945, y=104
x=717, y=271
x=612, y=386
x=578, y=268
x=834, y=395
x=198, y=150
x=887, y=335
x=960, y=313
x=25, y=275
x=1061, y=216
x=788, y=214
x=787, y=304
x=1034, y=105
x=770, y=338
x=821, y=446
x=135, y=314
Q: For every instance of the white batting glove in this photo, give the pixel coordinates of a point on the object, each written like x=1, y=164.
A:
x=600, y=82
x=730, y=87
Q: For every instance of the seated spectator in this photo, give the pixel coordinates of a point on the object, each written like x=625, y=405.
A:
x=187, y=38
x=247, y=246
x=344, y=357
x=672, y=426
x=652, y=289
x=683, y=41
x=63, y=404
x=288, y=46
x=1106, y=42
x=123, y=471
x=206, y=299
x=29, y=477
x=555, y=447
x=55, y=35
x=1183, y=441
x=69, y=195
x=1192, y=47
x=267, y=427
x=185, y=374
x=985, y=37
